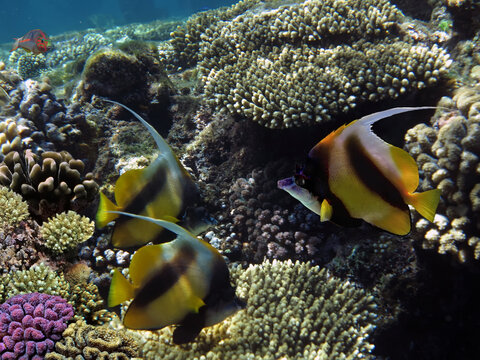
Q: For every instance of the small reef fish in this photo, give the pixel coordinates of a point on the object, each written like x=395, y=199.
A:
x=353, y=175
x=34, y=41
x=184, y=282
x=162, y=190
x=4, y=97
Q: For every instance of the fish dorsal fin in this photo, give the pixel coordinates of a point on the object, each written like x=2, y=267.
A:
x=371, y=119
x=407, y=167
x=129, y=180
x=143, y=262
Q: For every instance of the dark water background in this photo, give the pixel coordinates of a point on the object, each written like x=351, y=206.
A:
x=17, y=17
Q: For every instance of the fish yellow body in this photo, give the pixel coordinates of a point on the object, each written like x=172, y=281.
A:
x=353, y=175
x=162, y=190
x=184, y=282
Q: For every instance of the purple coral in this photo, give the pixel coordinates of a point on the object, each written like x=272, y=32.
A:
x=30, y=324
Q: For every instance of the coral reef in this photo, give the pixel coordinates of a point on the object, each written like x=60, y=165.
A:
x=293, y=308
x=20, y=247
x=65, y=231
x=44, y=123
x=302, y=64
x=12, y=208
x=83, y=296
x=447, y=151
x=51, y=183
x=30, y=66
x=85, y=342
x=31, y=324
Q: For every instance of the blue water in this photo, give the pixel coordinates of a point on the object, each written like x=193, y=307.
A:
x=17, y=17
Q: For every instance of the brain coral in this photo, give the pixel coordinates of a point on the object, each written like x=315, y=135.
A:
x=448, y=153
x=293, y=308
x=301, y=64
x=86, y=342
x=12, y=208
x=65, y=231
x=30, y=324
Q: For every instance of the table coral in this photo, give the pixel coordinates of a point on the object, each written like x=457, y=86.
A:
x=293, y=308
x=30, y=324
x=447, y=151
x=85, y=342
x=50, y=183
x=12, y=208
x=301, y=64
x=65, y=231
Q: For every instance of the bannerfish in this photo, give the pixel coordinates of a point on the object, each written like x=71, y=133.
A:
x=162, y=190
x=353, y=175
x=35, y=41
x=184, y=282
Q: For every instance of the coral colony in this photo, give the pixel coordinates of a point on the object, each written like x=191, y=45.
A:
x=186, y=127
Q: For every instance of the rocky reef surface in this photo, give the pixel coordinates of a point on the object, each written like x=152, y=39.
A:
x=241, y=94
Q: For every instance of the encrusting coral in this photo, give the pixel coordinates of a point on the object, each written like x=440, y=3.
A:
x=65, y=231
x=304, y=63
x=448, y=153
x=12, y=207
x=85, y=342
x=292, y=309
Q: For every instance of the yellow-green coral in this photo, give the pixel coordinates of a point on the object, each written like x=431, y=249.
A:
x=85, y=342
x=39, y=278
x=293, y=308
x=65, y=231
x=301, y=64
x=12, y=208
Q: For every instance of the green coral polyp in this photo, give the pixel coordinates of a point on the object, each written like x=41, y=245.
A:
x=65, y=231
x=12, y=208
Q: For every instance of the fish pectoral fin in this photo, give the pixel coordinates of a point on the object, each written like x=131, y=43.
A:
x=120, y=289
x=326, y=211
x=425, y=203
x=196, y=303
x=104, y=216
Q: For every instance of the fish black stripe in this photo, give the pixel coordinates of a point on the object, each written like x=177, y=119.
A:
x=146, y=195
x=165, y=278
x=370, y=174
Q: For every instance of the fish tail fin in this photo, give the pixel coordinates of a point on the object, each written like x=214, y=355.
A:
x=104, y=212
x=425, y=203
x=15, y=45
x=120, y=289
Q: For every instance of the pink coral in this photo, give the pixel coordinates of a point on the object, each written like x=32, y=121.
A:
x=30, y=324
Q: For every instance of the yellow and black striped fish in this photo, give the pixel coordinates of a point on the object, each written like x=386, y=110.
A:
x=184, y=282
x=162, y=190
x=354, y=175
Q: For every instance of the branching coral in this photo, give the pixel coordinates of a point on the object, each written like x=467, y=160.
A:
x=65, y=231
x=448, y=152
x=12, y=208
x=293, y=308
x=85, y=342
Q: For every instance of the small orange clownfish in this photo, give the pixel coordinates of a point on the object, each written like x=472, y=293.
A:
x=35, y=41
x=353, y=175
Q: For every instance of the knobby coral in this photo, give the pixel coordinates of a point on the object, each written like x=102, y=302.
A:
x=30, y=324
x=65, y=231
x=448, y=153
x=12, y=208
x=293, y=308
